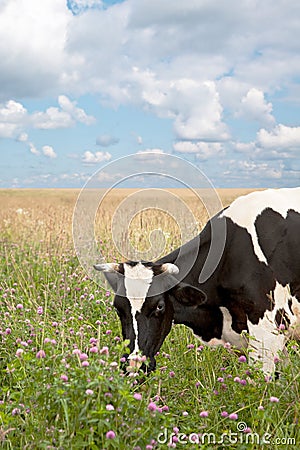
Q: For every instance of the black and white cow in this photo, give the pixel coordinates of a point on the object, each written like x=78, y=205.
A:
x=255, y=287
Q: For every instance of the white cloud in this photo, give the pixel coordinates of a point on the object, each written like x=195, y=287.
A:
x=78, y=114
x=12, y=117
x=23, y=137
x=51, y=119
x=156, y=151
x=245, y=147
x=281, y=137
x=32, y=41
x=150, y=153
x=105, y=140
x=252, y=172
x=202, y=150
x=106, y=177
x=49, y=152
x=33, y=149
x=97, y=157
x=64, y=117
x=254, y=107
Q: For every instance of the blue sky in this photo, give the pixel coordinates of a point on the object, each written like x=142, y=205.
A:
x=85, y=82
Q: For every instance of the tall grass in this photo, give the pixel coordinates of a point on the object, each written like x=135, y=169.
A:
x=60, y=348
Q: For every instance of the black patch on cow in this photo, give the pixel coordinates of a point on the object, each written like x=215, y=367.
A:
x=243, y=283
x=279, y=239
x=132, y=263
x=281, y=318
x=205, y=321
x=121, y=269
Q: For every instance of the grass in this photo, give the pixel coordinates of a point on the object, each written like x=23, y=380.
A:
x=60, y=382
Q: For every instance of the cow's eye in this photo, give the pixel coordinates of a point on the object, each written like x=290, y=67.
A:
x=160, y=307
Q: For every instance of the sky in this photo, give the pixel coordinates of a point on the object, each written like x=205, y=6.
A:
x=86, y=82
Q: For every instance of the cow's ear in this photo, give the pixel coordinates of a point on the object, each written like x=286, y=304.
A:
x=188, y=295
x=112, y=273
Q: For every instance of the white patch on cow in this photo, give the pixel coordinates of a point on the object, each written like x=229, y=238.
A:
x=229, y=335
x=137, y=282
x=244, y=210
x=214, y=342
x=266, y=341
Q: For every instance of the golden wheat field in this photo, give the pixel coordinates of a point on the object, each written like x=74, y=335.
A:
x=45, y=215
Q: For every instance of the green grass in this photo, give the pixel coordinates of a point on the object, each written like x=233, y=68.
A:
x=55, y=393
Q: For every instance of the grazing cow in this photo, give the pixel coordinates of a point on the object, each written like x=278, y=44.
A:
x=255, y=287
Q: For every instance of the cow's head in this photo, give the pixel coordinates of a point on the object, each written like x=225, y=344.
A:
x=146, y=295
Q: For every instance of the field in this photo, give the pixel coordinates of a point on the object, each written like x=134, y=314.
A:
x=60, y=382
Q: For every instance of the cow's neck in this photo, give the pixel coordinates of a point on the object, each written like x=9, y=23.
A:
x=205, y=321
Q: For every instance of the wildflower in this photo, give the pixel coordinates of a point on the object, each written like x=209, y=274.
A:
x=137, y=396
x=7, y=331
x=41, y=354
x=233, y=416
x=83, y=356
x=110, y=434
x=104, y=351
x=274, y=399
x=76, y=351
x=189, y=346
x=85, y=364
x=40, y=310
x=165, y=408
x=242, y=359
x=109, y=407
x=185, y=413
x=89, y=392
x=152, y=406
x=114, y=365
x=224, y=414
x=16, y=412
x=261, y=408
x=64, y=377
x=19, y=306
x=204, y=414
x=94, y=349
x=171, y=374
x=19, y=352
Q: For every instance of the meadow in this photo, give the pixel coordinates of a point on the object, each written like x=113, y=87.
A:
x=61, y=386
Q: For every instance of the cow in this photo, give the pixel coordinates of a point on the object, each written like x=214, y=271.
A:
x=252, y=294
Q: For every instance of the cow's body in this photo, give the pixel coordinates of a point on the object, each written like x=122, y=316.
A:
x=255, y=287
